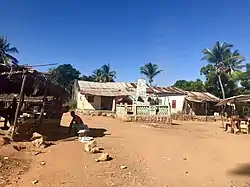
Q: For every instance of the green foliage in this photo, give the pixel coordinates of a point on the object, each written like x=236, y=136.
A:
x=5, y=51
x=103, y=74
x=150, y=71
x=196, y=86
x=245, y=79
x=223, y=70
x=64, y=75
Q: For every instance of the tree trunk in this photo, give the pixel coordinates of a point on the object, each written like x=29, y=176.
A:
x=223, y=97
x=222, y=87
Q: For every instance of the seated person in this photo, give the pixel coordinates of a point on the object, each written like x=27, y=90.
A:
x=76, y=123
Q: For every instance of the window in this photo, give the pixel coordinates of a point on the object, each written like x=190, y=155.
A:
x=173, y=103
x=90, y=98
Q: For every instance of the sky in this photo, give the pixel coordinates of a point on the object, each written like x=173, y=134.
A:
x=125, y=33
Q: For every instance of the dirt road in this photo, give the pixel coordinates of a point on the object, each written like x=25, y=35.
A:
x=189, y=154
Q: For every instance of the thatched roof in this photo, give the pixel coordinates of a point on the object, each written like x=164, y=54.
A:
x=11, y=82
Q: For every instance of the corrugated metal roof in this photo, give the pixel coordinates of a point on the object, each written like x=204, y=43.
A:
x=201, y=97
x=129, y=89
x=122, y=88
x=106, y=89
x=234, y=99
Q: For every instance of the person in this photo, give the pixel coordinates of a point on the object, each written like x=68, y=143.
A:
x=11, y=113
x=76, y=123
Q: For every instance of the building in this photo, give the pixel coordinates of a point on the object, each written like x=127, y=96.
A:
x=101, y=96
x=106, y=96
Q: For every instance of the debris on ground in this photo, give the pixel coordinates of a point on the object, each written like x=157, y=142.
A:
x=123, y=167
x=10, y=169
x=42, y=163
x=91, y=147
x=103, y=157
x=39, y=141
x=5, y=140
x=35, y=182
x=35, y=153
x=19, y=147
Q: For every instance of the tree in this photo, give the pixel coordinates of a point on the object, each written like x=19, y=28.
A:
x=85, y=78
x=107, y=74
x=64, y=75
x=234, y=61
x=245, y=82
x=97, y=75
x=104, y=74
x=221, y=61
x=6, y=51
x=196, y=86
x=150, y=71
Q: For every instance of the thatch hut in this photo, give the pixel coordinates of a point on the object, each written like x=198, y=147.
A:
x=38, y=98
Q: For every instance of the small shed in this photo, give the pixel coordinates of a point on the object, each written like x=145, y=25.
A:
x=200, y=103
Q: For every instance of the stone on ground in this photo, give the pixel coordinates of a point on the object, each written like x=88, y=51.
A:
x=103, y=157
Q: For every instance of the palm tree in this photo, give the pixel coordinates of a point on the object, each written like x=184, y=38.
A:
x=107, y=74
x=217, y=57
x=5, y=51
x=234, y=62
x=150, y=71
x=97, y=75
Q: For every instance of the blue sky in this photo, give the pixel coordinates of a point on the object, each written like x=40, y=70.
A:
x=125, y=33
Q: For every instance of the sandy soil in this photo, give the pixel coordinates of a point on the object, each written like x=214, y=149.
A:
x=188, y=154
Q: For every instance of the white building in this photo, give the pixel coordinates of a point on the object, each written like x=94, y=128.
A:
x=104, y=96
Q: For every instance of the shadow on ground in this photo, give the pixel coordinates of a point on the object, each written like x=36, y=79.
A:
x=62, y=133
x=241, y=169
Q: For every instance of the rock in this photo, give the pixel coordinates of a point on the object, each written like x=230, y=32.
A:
x=36, y=153
x=42, y=163
x=0, y=164
x=103, y=157
x=184, y=158
x=36, y=136
x=18, y=147
x=90, y=146
x=38, y=142
x=104, y=114
x=5, y=140
x=123, y=167
x=95, y=150
x=6, y=158
x=35, y=182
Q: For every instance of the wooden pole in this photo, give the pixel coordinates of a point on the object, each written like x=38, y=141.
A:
x=20, y=103
x=206, y=110
x=40, y=118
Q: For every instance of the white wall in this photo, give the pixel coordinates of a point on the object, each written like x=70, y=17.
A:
x=179, y=102
x=83, y=104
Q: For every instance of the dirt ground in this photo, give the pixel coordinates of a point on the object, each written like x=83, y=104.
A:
x=187, y=154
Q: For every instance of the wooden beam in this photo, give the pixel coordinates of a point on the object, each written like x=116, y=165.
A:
x=40, y=118
x=206, y=110
x=20, y=103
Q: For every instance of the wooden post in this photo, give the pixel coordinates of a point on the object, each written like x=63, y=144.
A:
x=40, y=118
x=20, y=103
x=206, y=110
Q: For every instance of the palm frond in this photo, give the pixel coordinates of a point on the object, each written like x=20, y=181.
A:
x=12, y=50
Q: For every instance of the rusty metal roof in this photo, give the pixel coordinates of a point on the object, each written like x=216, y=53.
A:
x=234, y=99
x=201, y=97
x=107, y=89
x=129, y=89
x=122, y=89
